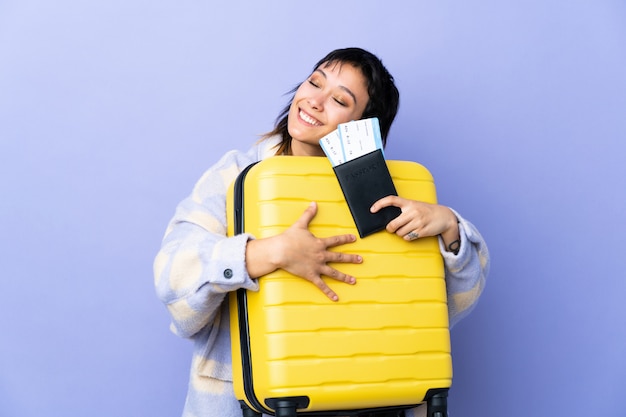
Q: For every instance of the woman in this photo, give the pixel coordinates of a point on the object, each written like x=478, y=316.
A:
x=198, y=265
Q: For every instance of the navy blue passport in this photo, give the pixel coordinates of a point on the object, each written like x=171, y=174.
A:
x=365, y=180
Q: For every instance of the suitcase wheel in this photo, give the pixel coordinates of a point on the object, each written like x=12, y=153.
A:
x=437, y=404
x=247, y=411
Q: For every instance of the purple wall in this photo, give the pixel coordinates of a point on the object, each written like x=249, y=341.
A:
x=110, y=112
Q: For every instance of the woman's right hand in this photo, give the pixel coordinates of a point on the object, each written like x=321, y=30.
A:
x=301, y=253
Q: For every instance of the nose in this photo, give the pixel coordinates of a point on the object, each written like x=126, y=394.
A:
x=316, y=101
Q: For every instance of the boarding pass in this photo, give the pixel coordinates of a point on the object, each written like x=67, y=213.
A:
x=351, y=140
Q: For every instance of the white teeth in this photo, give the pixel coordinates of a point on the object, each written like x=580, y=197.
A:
x=309, y=119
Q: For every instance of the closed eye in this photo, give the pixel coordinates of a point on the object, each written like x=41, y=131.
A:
x=340, y=102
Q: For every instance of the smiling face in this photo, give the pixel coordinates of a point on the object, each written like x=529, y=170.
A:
x=334, y=93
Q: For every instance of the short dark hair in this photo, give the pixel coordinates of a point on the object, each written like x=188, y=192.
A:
x=384, y=97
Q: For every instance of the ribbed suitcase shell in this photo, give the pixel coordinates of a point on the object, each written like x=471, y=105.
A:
x=385, y=343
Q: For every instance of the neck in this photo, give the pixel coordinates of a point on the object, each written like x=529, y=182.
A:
x=302, y=149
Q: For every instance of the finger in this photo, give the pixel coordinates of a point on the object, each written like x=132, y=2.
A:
x=338, y=275
x=341, y=257
x=338, y=240
x=399, y=225
x=409, y=228
x=307, y=215
x=390, y=200
x=319, y=283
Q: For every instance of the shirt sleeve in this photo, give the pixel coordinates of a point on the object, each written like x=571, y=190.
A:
x=198, y=264
x=466, y=272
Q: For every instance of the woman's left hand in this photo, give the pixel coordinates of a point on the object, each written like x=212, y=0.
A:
x=419, y=219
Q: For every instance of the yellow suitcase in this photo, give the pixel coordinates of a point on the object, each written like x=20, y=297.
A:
x=385, y=345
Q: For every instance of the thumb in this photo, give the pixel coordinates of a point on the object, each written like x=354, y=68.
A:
x=390, y=200
x=308, y=215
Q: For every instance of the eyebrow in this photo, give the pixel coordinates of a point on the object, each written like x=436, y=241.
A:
x=346, y=89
